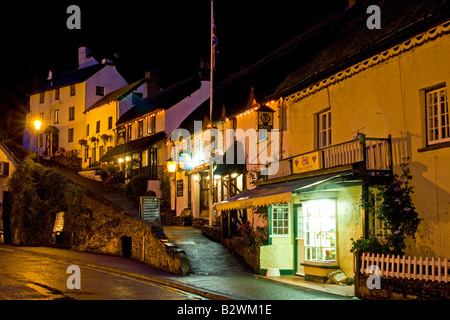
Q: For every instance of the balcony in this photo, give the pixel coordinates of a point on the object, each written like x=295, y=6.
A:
x=374, y=156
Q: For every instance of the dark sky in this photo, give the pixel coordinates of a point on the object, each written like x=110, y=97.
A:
x=168, y=36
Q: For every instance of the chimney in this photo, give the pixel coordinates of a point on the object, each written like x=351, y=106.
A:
x=84, y=58
x=153, y=82
x=83, y=55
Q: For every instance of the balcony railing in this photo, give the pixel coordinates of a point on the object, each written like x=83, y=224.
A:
x=376, y=153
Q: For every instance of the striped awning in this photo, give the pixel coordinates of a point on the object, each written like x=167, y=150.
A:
x=271, y=194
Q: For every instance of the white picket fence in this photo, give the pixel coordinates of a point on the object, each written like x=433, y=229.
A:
x=407, y=267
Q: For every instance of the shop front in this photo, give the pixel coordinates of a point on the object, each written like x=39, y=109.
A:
x=310, y=224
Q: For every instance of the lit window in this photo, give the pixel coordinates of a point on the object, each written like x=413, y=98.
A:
x=438, y=126
x=151, y=125
x=324, y=125
x=56, y=116
x=319, y=230
x=280, y=220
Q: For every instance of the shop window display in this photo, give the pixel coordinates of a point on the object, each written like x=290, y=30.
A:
x=319, y=219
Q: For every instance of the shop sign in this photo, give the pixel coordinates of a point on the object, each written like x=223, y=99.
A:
x=179, y=188
x=185, y=161
x=307, y=162
x=149, y=209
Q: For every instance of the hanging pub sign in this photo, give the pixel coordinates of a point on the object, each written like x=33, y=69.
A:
x=149, y=209
x=265, y=118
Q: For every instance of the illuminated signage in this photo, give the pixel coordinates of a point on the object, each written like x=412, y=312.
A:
x=307, y=162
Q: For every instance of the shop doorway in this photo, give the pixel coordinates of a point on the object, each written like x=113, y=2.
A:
x=299, y=240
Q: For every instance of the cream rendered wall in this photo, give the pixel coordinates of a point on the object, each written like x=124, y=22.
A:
x=389, y=98
x=107, y=77
x=349, y=222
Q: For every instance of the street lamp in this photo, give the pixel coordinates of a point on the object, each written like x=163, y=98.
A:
x=37, y=125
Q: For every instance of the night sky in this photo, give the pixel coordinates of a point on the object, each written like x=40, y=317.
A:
x=168, y=36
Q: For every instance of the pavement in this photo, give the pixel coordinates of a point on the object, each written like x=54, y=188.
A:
x=217, y=273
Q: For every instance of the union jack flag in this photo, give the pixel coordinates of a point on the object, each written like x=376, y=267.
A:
x=214, y=41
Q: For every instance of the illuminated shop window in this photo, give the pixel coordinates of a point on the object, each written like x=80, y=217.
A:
x=319, y=219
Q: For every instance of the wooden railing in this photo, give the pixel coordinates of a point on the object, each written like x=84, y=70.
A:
x=375, y=152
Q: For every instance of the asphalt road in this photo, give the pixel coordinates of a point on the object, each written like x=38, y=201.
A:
x=27, y=275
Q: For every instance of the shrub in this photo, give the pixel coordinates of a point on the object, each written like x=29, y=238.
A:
x=39, y=193
x=139, y=185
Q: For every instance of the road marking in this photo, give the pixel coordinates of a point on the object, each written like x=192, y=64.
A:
x=110, y=272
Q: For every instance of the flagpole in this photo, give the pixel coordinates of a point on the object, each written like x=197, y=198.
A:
x=211, y=94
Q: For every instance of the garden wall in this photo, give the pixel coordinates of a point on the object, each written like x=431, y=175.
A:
x=113, y=232
x=404, y=289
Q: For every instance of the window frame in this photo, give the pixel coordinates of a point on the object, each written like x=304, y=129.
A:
x=56, y=116
x=71, y=113
x=73, y=91
x=100, y=91
x=274, y=234
x=57, y=94
x=438, y=115
x=70, y=135
x=324, y=130
x=97, y=126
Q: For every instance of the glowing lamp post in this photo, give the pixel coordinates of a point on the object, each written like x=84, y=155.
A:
x=37, y=125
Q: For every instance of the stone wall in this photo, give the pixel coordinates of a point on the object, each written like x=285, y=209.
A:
x=404, y=289
x=110, y=230
x=249, y=254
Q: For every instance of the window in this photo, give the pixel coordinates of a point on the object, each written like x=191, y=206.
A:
x=87, y=130
x=319, y=230
x=151, y=125
x=140, y=128
x=376, y=224
x=97, y=128
x=280, y=219
x=4, y=169
x=100, y=91
x=110, y=123
x=41, y=115
x=56, y=116
x=57, y=94
x=41, y=140
x=86, y=154
x=100, y=152
x=438, y=126
x=324, y=125
x=152, y=161
x=129, y=134
x=71, y=113
x=70, y=135
x=42, y=97
x=72, y=90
